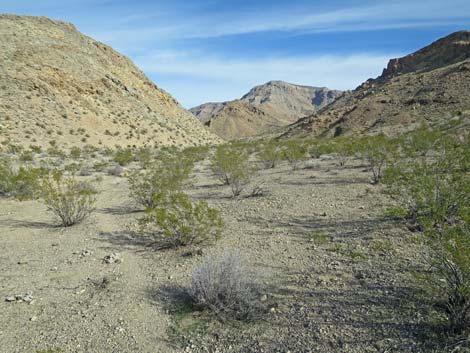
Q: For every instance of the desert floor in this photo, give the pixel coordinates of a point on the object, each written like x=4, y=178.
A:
x=337, y=273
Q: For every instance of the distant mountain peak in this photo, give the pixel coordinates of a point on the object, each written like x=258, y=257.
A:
x=271, y=105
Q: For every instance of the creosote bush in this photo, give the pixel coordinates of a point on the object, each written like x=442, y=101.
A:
x=295, y=152
x=166, y=176
x=231, y=166
x=123, y=156
x=22, y=183
x=378, y=152
x=431, y=183
x=270, y=154
x=227, y=286
x=70, y=201
x=178, y=221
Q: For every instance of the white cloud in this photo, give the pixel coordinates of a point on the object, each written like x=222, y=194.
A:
x=379, y=15
x=216, y=78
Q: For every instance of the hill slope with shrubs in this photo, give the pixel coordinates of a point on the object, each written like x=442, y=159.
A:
x=431, y=85
x=60, y=86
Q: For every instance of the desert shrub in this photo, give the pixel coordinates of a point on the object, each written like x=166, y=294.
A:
x=70, y=201
x=75, y=152
x=431, y=184
x=22, y=184
x=295, y=152
x=166, y=176
x=344, y=148
x=226, y=286
x=123, y=156
x=178, y=221
x=449, y=284
x=144, y=157
x=270, y=154
x=196, y=154
x=231, y=166
x=377, y=151
x=318, y=147
x=6, y=177
x=26, y=156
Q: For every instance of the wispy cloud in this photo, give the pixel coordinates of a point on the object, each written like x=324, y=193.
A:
x=226, y=78
x=303, y=19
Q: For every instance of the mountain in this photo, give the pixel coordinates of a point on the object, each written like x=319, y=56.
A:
x=61, y=87
x=263, y=109
x=431, y=85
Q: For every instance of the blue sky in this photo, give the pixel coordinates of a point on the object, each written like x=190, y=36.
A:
x=208, y=50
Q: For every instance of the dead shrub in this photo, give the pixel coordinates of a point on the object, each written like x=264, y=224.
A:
x=226, y=286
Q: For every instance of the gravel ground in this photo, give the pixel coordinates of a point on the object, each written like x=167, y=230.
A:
x=337, y=274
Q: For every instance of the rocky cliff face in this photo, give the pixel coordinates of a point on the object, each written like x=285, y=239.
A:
x=264, y=108
x=61, y=87
x=445, y=51
x=429, y=86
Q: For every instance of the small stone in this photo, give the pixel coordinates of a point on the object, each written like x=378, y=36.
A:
x=263, y=298
x=10, y=298
x=113, y=258
x=33, y=318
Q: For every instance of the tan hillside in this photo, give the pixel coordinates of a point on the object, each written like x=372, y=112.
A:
x=431, y=85
x=266, y=107
x=60, y=85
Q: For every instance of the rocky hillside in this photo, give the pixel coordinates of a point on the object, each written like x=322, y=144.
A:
x=431, y=85
x=266, y=107
x=61, y=87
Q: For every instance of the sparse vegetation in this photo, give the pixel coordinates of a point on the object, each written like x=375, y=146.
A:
x=178, y=221
x=231, y=166
x=70, y=201
x=227, y=286
x=167, y=176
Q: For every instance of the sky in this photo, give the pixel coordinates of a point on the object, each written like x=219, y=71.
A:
x=207, y=50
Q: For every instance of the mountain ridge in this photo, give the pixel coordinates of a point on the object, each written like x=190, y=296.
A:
x=431, y=85
x=276, y=102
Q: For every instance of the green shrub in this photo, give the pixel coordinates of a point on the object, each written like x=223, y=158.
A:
x=432, y=184
x=22, y=184
x=231, y=166
x=70, y=201
x=123, y=156
x=378, y=151
x=270, y=154
x=178, y=221
x=295, y=152
x=75, y=152
x=6, y=177
x=344, y=148
x=168, y=175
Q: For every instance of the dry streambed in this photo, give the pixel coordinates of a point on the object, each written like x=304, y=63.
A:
x=336, y=273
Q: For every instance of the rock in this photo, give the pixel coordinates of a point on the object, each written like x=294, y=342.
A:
x=85, y=253
x=10, y=298
x=113, y=258
x=263, y=298
x=33, y=318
